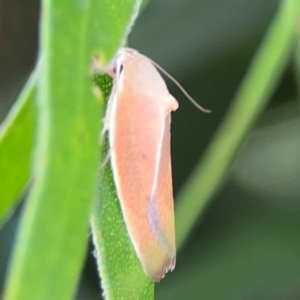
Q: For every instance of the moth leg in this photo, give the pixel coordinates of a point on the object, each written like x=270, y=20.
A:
x=102, y=135
x=106, y=127
x=107, y=117
x=106, y=120
x=105, y=161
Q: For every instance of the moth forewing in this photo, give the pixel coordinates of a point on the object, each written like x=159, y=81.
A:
x=138, y=121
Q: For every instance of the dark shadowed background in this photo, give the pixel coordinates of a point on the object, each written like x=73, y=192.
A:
x=247, y=244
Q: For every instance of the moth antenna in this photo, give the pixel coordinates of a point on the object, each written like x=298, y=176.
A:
x=189, y=97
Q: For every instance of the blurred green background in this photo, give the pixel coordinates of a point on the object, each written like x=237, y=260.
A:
x=247, y=244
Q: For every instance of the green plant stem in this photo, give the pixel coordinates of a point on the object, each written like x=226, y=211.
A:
x=252, y=97
x=297, y=56
x=52, y=237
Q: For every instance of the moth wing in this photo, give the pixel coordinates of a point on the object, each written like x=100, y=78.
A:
x=142, y=170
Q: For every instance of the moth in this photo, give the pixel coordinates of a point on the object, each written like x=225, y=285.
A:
x=138, y=119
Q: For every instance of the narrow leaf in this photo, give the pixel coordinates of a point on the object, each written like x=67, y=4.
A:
x=252, y=97
x=16, y=142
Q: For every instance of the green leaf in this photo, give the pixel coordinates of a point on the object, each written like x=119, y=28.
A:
x=252, y=97
x=120, y=269
x=53, y=233
x=297, y=60
x=16, y=140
